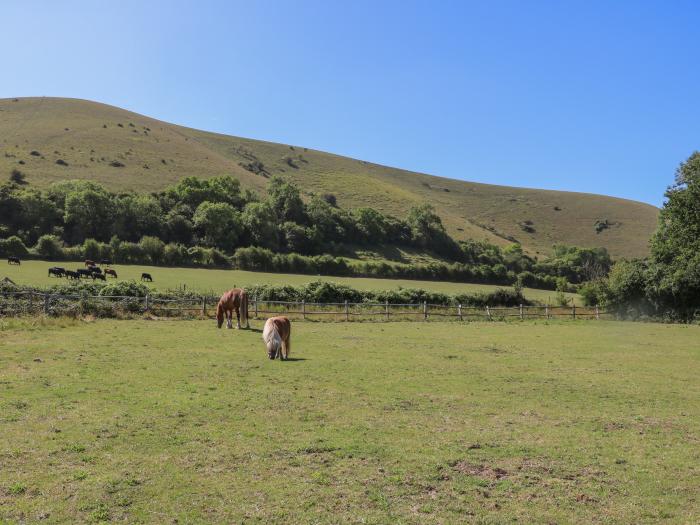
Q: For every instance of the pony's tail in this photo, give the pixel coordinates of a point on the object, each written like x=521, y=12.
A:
x=244, y=307
x=272, y=338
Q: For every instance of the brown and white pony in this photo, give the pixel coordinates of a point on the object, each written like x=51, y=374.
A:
x=236, y=299
x=277, y=336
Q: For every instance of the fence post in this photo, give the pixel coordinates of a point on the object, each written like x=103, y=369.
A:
x=425, y=310
x=546, y=311
x=204, y=306
x=347, y=312
x=597, y=312
x=147, y=301
x=46, y=303
x=303, y=308
x=573, y=311
x=488, y=312
x=521, y=311
x=459, y=312
x=386, y=309
x=255, y=303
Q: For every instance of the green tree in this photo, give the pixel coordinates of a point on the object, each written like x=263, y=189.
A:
x=153, y=248
x=136, y=216
x=260, y=222
x=371, y=225
x=285, y=199
x=219, y=223
x=49, y=247
x=89, y=213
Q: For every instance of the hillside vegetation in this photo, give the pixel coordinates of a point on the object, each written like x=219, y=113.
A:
x=53, y=139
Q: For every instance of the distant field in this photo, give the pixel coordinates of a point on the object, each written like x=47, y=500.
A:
x=178, y=422
x=35, y=273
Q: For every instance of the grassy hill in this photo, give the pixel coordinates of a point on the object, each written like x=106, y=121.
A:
x=52, y=139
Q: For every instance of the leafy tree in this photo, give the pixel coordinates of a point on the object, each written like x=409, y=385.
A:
x=678, y=233
x=371, y=225
x=177, y=224
x=91, y=249
x=89, y=213
x=194, y=191
x=49, y=247
x=219, y=223
x=260, y=222
x=285, y=199
x=136, y=216
x=297, y=238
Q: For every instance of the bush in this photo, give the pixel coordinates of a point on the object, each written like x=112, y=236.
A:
x=13, y=246
x=50, y=247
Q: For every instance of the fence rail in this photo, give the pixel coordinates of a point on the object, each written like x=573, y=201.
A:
x=14, y=304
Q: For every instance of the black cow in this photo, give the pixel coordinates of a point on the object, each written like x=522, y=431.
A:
x=72, y=275
x=57, y=271
x=95, y=269
x=146, y=277
x=99, y=276
x=13, y=260
x=83, y=273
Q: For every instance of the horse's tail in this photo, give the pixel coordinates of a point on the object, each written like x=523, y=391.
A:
x=244, y=307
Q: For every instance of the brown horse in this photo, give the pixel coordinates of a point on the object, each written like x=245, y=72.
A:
x=277, y=336
x=236, y=299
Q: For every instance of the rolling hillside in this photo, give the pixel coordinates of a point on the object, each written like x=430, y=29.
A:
x=52, y=139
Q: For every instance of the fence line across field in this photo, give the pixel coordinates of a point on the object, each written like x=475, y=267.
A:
x=24, y=302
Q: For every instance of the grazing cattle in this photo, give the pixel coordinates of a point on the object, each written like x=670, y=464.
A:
x=146, y=277
x=109, y=271
x=105, y=261
x=277, y=336
x=89, y=262
x=95, y=269
x=99, y=276
x=13, y=260
x=57, y=271
x=84, y=273
x=235, y=299
x=72, y=275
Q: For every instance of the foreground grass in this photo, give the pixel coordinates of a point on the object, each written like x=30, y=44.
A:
x=158, y=421
x=35, y=273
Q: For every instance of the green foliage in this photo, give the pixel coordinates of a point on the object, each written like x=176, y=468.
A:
x=260, y=221
x=219, y=223
x=12, y=246
x=49, y=247
x=285, y=200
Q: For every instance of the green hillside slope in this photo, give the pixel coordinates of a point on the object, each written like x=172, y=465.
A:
x=52, y=139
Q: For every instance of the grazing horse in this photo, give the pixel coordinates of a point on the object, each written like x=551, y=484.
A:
x=235, y=299
x=57, y=271
x=13, y=260
x=277, y=336
x=146, y=277
x=89, y=263
x=109, y=271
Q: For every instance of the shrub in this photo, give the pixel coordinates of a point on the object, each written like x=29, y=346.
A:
x=13, y=246
x=50, y=247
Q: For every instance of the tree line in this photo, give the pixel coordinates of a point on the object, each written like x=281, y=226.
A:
x=213, y=222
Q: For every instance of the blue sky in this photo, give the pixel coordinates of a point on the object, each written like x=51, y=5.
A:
x=599, y=97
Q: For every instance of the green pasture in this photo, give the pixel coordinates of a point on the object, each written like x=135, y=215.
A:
x=35, y=273
x=178, y=422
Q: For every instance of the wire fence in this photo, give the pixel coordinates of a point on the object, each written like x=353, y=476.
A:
x=25, y=303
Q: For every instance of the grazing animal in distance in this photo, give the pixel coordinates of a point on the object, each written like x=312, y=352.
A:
x=235, y=299
x=13, y=260
x=83, y=273
x=109, y=271
x=99, y=276
x=57, y=271
x=146, y=277
x=72, y=275
x=277, y=335
x=95, y=269
x=89, y=262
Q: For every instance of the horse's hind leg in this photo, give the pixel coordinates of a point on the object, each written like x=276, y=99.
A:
x=238, y=319
x=229, y=319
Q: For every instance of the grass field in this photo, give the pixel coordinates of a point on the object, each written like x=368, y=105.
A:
x=177, y=422
x=35, y=273
x=88, y=137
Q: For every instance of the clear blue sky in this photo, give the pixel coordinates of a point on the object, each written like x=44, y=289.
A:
x=578, y=95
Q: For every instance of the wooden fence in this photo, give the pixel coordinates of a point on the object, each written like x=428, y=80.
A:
x=36, y=303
